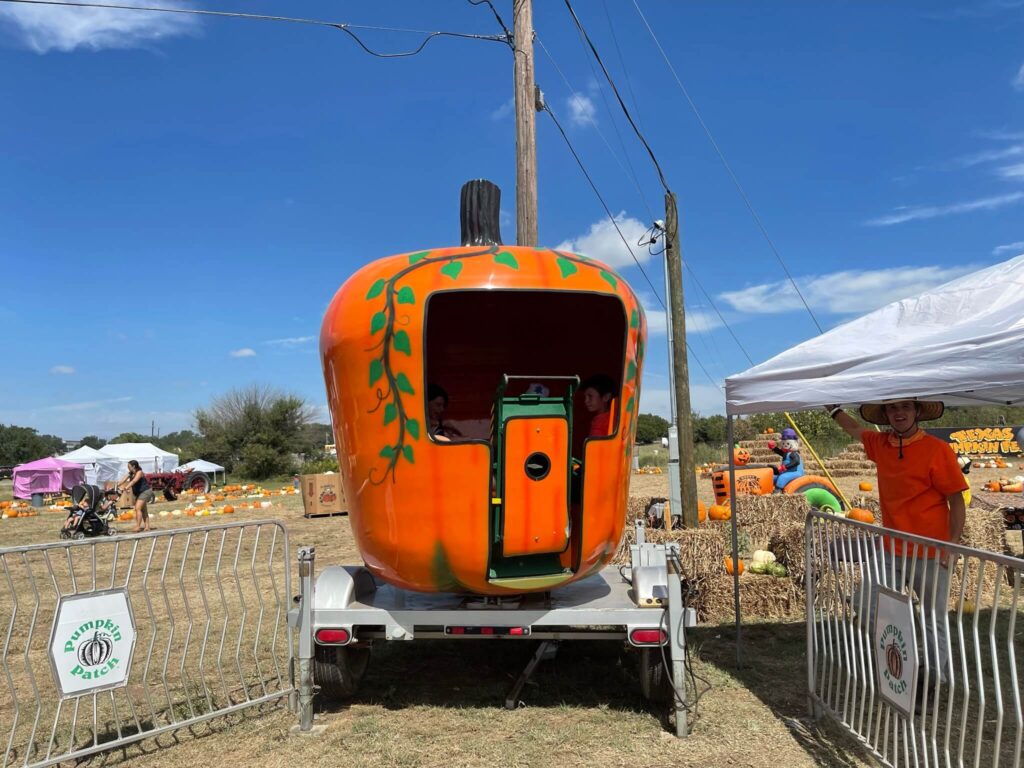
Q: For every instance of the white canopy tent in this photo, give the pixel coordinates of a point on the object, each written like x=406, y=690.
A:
x=962, y=343
x=100, y=468
x=201, y=465
x=150, y=458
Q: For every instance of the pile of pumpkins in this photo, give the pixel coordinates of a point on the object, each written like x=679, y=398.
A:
x=9, y=509
x=649, y=471
x=1006, y=485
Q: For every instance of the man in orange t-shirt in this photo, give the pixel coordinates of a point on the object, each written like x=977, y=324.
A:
x=920, y=489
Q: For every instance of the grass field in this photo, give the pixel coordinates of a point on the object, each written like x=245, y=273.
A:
x=440, y=703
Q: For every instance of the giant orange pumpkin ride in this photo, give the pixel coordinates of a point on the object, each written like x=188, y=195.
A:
x=525, y=500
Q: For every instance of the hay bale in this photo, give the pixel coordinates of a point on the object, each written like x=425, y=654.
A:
x=761, y=597
x=701, y=550
x=759, y=517
x=789, y=548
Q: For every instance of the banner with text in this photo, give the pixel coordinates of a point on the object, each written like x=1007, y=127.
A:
x=980, y=440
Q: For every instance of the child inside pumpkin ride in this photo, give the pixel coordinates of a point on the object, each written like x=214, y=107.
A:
x=92, y=511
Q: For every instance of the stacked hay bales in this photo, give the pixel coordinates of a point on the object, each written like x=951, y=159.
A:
x=777, y=523
x=850, y=462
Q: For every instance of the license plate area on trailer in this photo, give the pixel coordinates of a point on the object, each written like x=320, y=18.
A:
x=467, y=631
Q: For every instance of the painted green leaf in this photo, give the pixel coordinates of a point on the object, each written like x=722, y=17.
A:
x=376, y=370
x=406, y=296
x=413, y=425
x=414, y=257
x=452, y=269
x=566, y=267
x=629, y=405
x=609, y=278
x=377, y=322
x=402, y=382
x=640, y=351
x=407, y=452
x=634, y=319
x=631, y=371
x=390, y=413
x=375, y=289
x=507, y=259
x=402, y=342
x=387, y=452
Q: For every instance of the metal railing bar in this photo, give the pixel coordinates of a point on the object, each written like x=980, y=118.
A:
x=259, y=616
x=28, y=647
x=209, y=619
x=182, y=672
x=277, y=604
x=241, y=625
x=979, y=728
x=224, y=626
x=1012, y=653
x=997, y=692
x=171, y=715
x=7, y=669
x=152, y=623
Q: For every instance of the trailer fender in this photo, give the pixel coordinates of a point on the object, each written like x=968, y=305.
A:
x=338, y=586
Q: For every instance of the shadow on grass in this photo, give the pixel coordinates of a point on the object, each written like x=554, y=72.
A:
x=774, y=668
x=480, y=674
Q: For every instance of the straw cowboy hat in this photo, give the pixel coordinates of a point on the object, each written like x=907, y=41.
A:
x=927, y=410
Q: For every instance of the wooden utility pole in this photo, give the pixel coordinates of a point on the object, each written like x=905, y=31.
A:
x=680, y=367
x=526, y=127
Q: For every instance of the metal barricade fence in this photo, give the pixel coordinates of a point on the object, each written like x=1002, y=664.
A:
x=112, y=640
x=918, y=660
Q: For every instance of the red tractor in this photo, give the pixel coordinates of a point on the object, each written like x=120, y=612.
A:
x=173, y=483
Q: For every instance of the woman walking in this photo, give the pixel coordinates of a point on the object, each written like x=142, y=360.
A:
x=136, y=479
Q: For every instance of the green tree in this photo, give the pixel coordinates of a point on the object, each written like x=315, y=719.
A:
x=256, y=431
x=709, y=429
x=186, y=443
x=21, y=444
x=91, y=441
x=650, y=428
x=129, y=437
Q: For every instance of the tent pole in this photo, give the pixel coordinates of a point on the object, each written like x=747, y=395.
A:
x=733, y=507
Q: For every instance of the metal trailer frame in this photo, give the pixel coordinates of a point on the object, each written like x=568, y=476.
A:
x=606, y=606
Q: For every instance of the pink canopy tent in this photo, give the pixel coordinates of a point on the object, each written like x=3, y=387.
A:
x=46, y=476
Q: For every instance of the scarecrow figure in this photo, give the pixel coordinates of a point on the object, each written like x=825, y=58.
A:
x=792, y=465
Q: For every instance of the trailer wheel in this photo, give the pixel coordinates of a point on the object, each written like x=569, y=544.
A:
x=198, y=481
x=338, y=670
x=655, y=685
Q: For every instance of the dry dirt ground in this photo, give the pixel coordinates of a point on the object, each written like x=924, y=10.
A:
x=440, y=703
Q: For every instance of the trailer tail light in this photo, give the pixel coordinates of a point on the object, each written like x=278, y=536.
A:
x=648, y=637
x=488, y=631
x=333, y=636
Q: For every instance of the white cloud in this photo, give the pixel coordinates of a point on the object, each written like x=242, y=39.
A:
x=847, y=292
x=581, y=109
x=704, y=399
x=62, y=370
x=243, y=352
x=504, y=110
x=990, y=155
x=1017, y=247
x=86, y=405
x=1013, y=172
x=294, y=341
x=603, y=243
x=914, y=213
x=1018, y=81
x=50, y=28
x=697, y=321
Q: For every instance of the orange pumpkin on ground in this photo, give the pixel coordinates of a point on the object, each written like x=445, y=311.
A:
x=729, y=565
x=866, y=487
x=720, y=511
x=485, y=323
x=860, y=515
x=228, y=510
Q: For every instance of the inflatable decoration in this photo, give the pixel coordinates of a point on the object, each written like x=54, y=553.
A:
x=464, y=445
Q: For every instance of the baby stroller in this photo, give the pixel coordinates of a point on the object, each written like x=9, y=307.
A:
x=92, y=519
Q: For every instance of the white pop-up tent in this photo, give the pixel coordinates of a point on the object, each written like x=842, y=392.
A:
x=100, y=468
x=201, y=465
x=150, y=458
x=962, y=343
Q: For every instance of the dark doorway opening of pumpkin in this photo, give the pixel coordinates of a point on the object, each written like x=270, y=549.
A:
x=476, y=337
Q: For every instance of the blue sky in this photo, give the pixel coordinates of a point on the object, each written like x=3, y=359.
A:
x=180, y=198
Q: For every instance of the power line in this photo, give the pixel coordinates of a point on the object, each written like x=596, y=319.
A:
x=344, y=27
x=622, y=62
x=630, y=173
x=615, y=224
x=508, y=34
x=728, y=168
x=622, y=104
